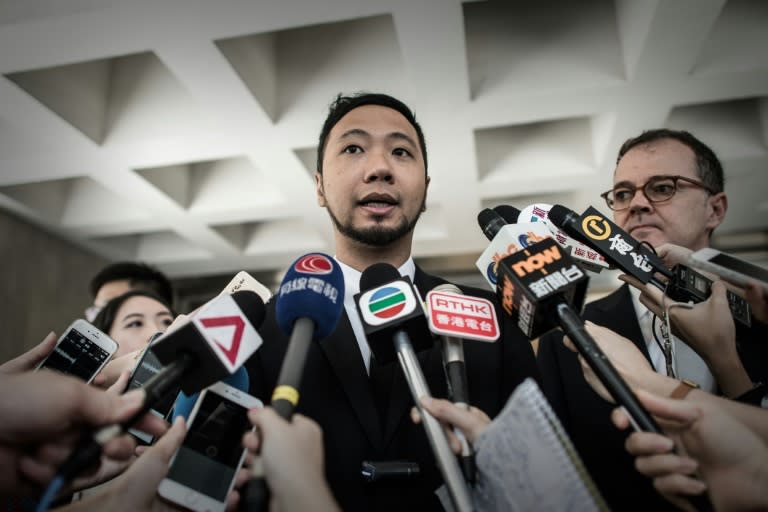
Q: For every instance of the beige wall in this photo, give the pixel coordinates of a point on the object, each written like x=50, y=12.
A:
x=43, y=284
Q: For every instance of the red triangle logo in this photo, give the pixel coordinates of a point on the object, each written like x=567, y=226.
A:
x=223, y=321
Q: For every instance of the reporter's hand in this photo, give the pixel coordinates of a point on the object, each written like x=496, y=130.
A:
x=116, y=367
x=472, y=422
x=631, y=364
x=708, y=328
x=732, y=460
x=43, y=414
x=292, y=457
x=29, y=360
x=136, y=489
x=673, y=254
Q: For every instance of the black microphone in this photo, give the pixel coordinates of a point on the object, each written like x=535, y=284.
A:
x=527, y=290
x=508, y=212
x=618, y=247
x=491, y=223
x=309, y=304
x=634, y=258
x=390, y=310
x=194, y=356
x=535, y=287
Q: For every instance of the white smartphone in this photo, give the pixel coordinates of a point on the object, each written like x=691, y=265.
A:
x=730, y=268
x=82, y=351
x=203, y=469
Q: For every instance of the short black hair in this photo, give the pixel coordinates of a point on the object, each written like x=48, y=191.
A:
x=708, y=166
x=138, y=275
x=343, y=105
x=108, y=314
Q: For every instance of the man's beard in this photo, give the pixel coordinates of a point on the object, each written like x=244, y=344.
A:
x=376, y=236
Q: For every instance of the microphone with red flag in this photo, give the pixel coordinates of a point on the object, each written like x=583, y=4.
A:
x=218, y=339
x=453, y=316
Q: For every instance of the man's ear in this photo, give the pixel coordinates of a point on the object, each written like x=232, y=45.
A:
x=427, y=180
x=319, y=189
x=718, y=204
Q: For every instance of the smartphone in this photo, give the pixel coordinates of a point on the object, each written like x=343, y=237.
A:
x=147, y=367
x=730, y=268
x=82, y=351
x=203, y=469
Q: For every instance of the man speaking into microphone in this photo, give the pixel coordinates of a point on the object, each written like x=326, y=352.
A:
x=372, y=180
x=667, y=188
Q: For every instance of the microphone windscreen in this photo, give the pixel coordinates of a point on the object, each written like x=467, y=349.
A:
x=509, y=213
x=377, y=275
x=312, y=288
x=485, y=217
x=251, y=305
x=558, y=214
x=185, y=403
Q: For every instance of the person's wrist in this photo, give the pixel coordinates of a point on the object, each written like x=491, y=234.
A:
x=659, y=384
x=731, y=376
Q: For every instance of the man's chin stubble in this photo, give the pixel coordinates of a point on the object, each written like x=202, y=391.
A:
x=376, y=236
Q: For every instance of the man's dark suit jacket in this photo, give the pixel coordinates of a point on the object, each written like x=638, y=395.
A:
x=586, y=416
x=336, y=392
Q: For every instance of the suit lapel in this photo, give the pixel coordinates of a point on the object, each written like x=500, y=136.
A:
x=344, y=356
x=618, y=314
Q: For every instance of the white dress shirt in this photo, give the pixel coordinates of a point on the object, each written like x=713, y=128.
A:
x=686, y=362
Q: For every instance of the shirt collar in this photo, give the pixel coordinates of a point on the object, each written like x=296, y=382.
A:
x=352, y=276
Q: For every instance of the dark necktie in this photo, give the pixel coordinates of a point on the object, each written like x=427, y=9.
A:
x=381, y=383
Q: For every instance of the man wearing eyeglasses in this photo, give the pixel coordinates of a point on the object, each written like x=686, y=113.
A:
x=667, y=188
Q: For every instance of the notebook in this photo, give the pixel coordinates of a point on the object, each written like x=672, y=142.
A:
x=526, y=461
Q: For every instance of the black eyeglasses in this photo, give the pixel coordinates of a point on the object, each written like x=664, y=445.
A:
x=657, y=189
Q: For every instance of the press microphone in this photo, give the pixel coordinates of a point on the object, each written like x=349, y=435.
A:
x=453, y=316
x=505, y=239
x=617, y=246
x=392, y=316
x=309, y=304
x=633, y=258
x=209, y=346
x=636, y=259
x=535, y=288
x=584, y=255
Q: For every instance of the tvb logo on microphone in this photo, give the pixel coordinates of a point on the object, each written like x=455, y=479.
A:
x=388, y=303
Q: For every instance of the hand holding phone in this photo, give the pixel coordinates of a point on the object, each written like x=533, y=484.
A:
x=203, y=470
x=82, y=351
x=30, y=359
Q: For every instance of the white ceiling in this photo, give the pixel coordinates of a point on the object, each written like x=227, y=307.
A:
x=183, y=132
